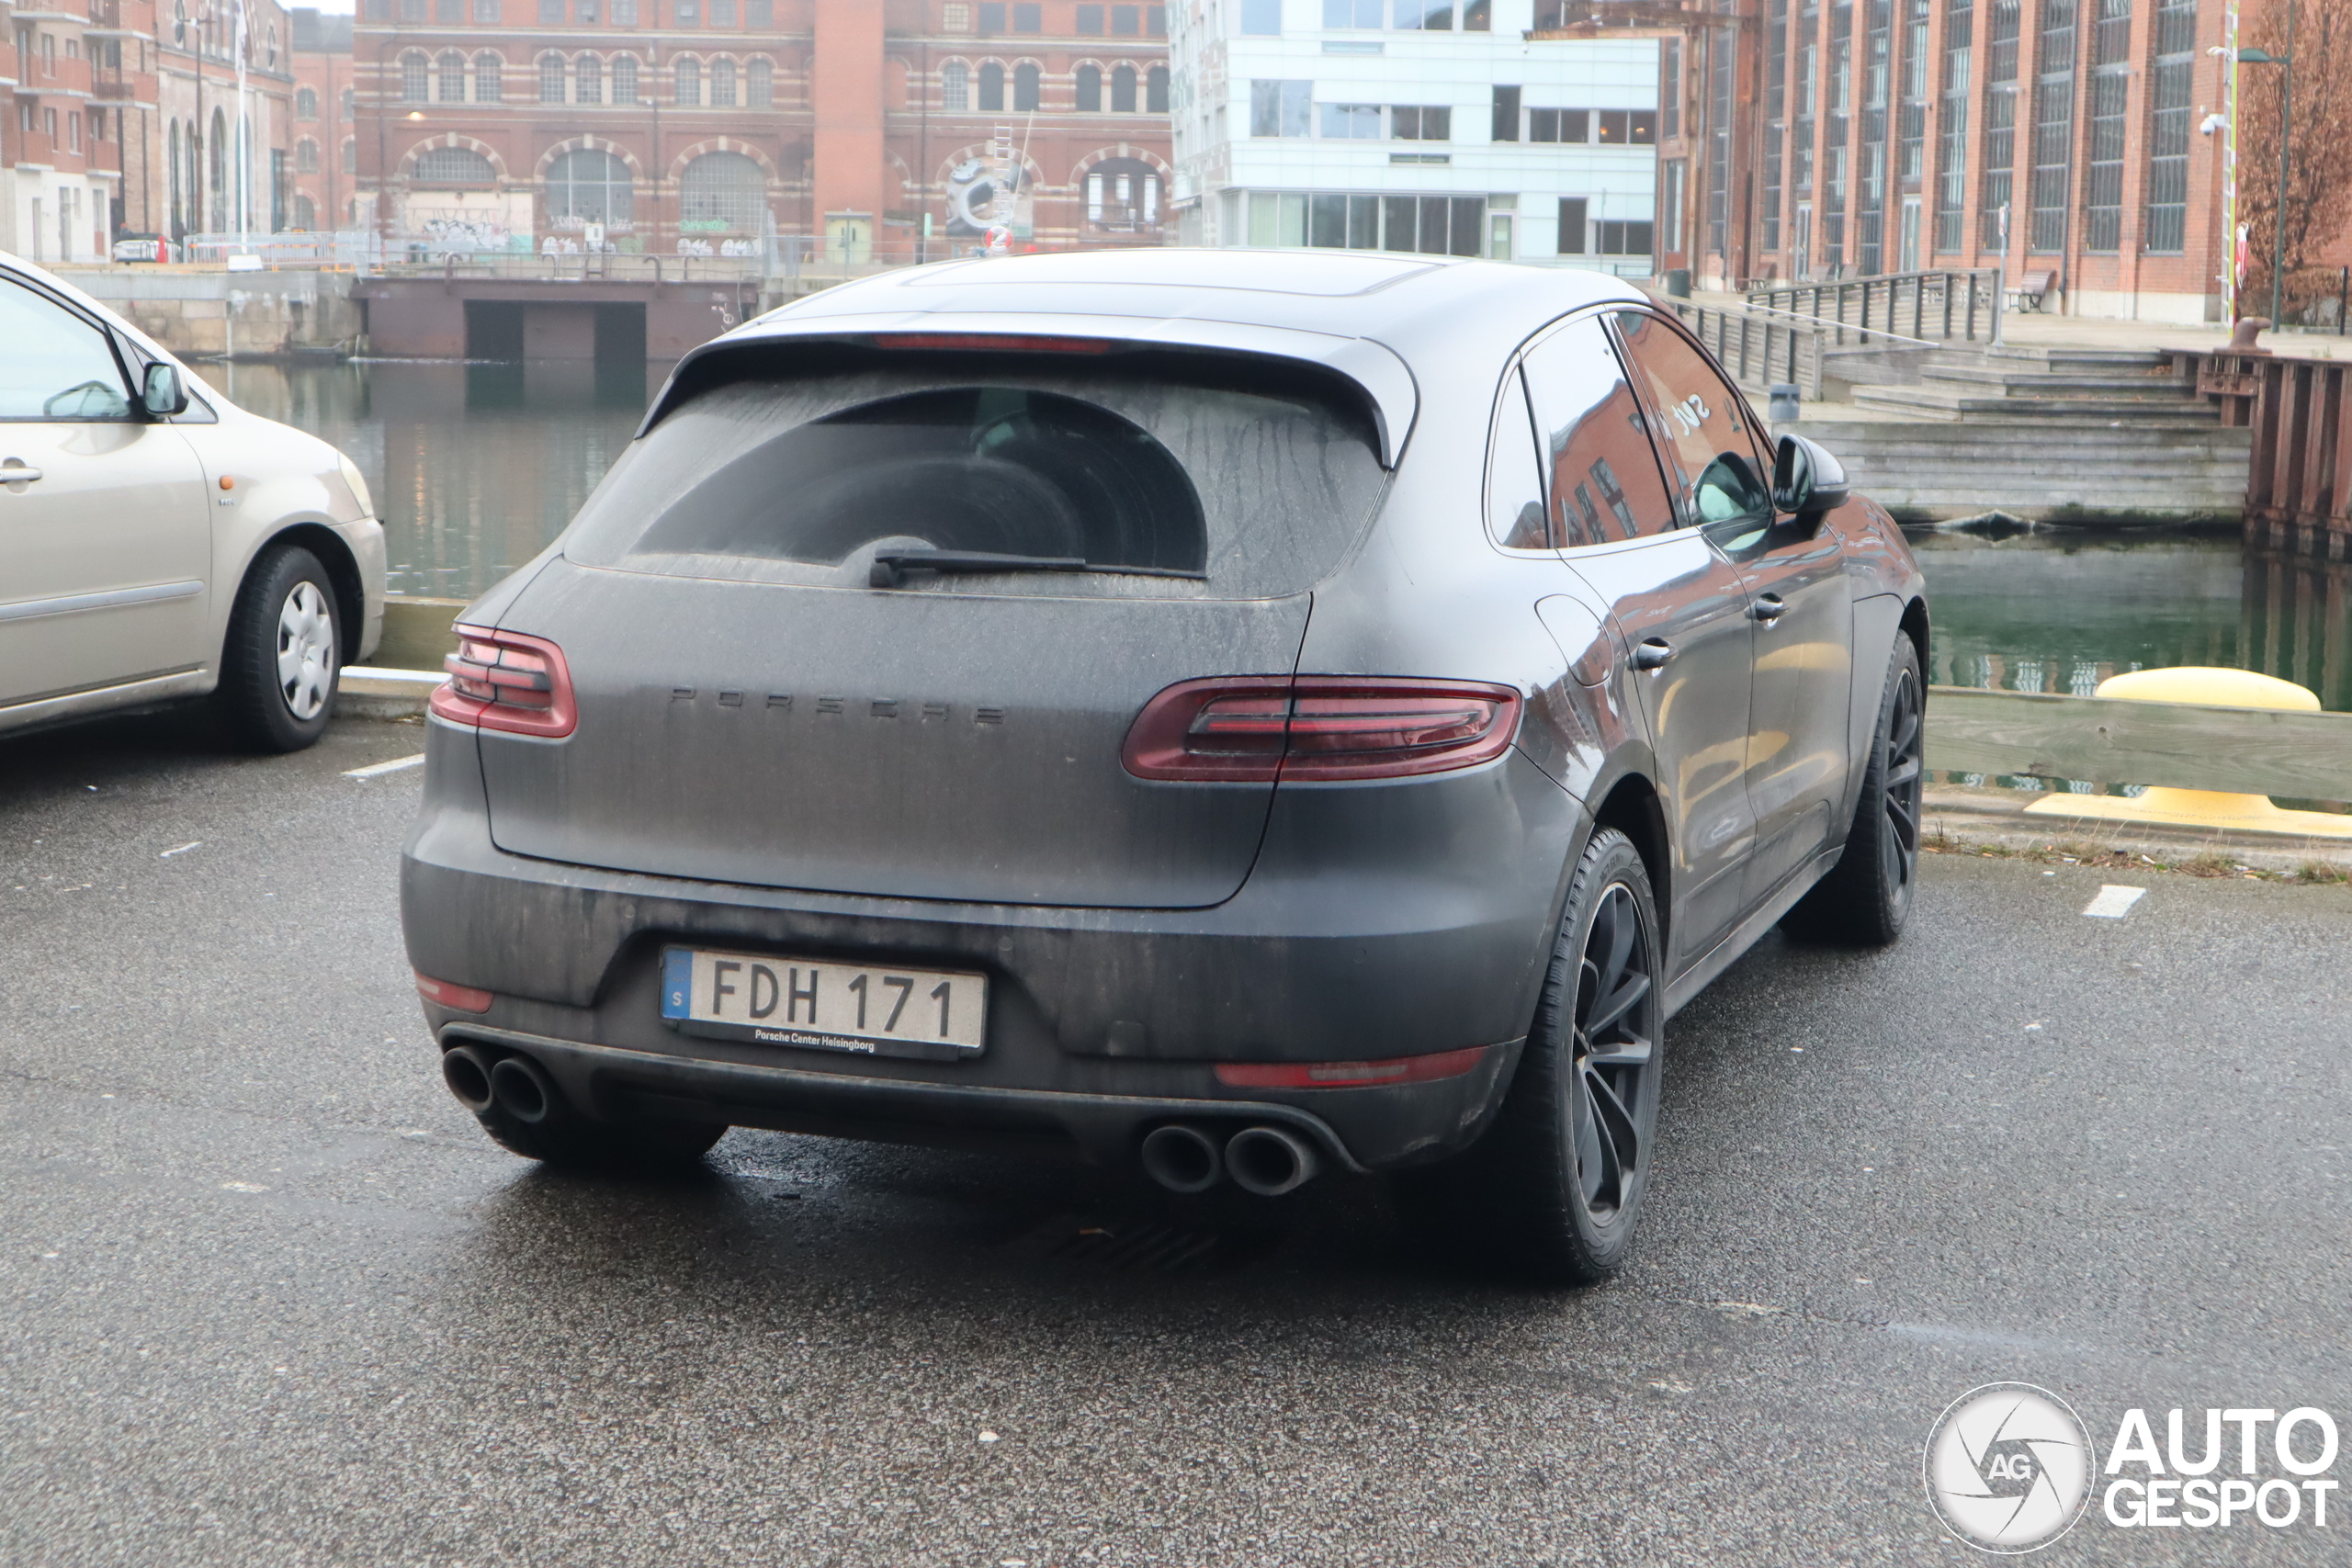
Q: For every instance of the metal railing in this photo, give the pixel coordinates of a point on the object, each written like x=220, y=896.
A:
x=1760, y=348
x=1923, y=307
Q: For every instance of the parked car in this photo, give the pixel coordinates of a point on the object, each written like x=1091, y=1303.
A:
x=1239, y=714
x=142, y=248
x=159, y=543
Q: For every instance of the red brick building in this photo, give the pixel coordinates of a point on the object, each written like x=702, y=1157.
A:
x=514, y=124
x=326, y=131
x=1813, y=138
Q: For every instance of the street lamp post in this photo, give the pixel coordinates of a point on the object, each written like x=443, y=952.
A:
x=2286, y=64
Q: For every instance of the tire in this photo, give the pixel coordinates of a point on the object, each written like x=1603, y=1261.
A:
x=1866, y=897
x=283, y=657
x=1555, y=1189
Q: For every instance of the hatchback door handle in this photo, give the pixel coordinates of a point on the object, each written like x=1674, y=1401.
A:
x=16, y=471
x=1768, y=607
x=1652, y=653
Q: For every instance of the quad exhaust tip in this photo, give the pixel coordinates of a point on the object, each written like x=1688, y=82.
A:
x=1182, y=1158
x=1269, y=1161
x=468, y=1076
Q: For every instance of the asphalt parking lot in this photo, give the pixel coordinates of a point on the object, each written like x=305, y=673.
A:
x=270, y=1297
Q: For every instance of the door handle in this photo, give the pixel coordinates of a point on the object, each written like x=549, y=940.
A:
x=1652, y=653
x=1768, y=607
x=16, y=471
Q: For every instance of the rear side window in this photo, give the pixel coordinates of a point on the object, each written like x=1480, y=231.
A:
x=1165, y=474
x=1601, y=476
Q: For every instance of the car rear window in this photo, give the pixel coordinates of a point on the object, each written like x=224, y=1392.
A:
x=1167, y=474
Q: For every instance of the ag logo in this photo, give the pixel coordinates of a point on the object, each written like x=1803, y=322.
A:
x=2008, y=1467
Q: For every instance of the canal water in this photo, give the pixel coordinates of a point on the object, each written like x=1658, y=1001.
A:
x=476, y=466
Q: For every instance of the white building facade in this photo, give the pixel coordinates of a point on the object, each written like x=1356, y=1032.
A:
x=1412, y=125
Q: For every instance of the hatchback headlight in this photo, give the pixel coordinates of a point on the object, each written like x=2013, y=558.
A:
x=359, y=483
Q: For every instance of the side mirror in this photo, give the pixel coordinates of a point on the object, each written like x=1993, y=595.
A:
x=1806, y=481
x=161, y=393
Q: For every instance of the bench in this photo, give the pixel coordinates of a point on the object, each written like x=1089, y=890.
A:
x=2029, y=291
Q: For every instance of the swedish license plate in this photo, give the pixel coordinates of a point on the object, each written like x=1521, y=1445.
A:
x=934, y=1014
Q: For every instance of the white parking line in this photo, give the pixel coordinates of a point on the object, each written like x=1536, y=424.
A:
x=377, y=770
x=2113, y=903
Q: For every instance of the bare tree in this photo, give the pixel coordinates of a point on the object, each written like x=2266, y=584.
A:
x=2319, y=177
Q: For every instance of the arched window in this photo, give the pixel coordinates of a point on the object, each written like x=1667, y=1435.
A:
x=306, y=156
x=416, y=78
x=588, y=80
x=588, y=187
x=625, y=79
x=453, y=166
x=1123, y=90
x=1155, y=90
x=306, y=105
x=1123, y=194
x=490, y=78
x=991, y=87
x=722, y=190
x=955, y=85
x=689, y=83
x=1090, y=89
x=760, y=83
x=550, y=78
x=722, y=84
x=216, y=158
x=305, y=214
x=453, y=78
x=351, y=103
x=350, y=156
x=1024, y=86
x=172, y=163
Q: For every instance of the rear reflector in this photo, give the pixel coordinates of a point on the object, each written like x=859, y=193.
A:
x=506, y=681
x=1349, y=1075
x=464, y=998
x=998, y=343
x=1308, y=728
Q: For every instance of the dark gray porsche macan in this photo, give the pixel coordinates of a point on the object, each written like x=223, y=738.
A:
x=1249, y=715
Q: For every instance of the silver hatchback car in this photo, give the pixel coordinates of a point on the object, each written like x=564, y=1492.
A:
x=1242, y=716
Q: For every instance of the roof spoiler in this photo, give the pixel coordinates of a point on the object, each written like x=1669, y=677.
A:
x=1372, y=367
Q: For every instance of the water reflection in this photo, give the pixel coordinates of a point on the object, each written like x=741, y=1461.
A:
x=474, y=466
x=2061, y=612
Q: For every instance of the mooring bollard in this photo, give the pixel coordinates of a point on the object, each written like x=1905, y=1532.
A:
x=1788, y=402
x=2202, y=807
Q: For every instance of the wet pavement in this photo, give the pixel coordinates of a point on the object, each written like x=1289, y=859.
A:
x=271, y=1298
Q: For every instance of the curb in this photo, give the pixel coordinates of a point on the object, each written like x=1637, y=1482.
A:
x=1961, y=816
x=367, y=693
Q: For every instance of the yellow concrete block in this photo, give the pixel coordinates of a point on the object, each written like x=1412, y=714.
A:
x=2203, y=807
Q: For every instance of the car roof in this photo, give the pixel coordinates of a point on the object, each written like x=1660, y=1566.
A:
x=1402, y=327
x=1397, y=298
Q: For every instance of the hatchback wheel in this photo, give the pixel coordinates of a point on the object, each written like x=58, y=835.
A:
x=1866, y=897
x=283, y=655
x=1555, y=1189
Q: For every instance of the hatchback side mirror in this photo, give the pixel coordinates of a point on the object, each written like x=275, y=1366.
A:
x=161, y=393
x=1806, y=481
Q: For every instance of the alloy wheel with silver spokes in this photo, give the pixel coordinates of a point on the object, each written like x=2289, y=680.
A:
x=1611, y=1097
x=1906, y=736
x=305, y=651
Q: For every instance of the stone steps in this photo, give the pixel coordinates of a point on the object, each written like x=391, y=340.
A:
x=1928, y=401
x=2033, y=468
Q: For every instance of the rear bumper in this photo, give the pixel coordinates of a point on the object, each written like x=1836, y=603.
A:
x=1101, y=1022
x=1358, y=1128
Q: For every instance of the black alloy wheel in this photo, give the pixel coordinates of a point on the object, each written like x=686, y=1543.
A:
x=1866, y=897
x=1555, y=1188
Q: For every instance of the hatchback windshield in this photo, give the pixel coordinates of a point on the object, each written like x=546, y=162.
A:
x=1156, y=484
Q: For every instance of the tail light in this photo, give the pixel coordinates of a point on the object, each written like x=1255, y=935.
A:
x=1349, y=1074
x=506, y=680
x=461, y=998
x=1309, y=728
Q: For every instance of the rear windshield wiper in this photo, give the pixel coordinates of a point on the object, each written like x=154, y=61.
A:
x=890, y=566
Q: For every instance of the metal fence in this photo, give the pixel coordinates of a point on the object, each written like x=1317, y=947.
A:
x=1757, y=347
x=1920, y=305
